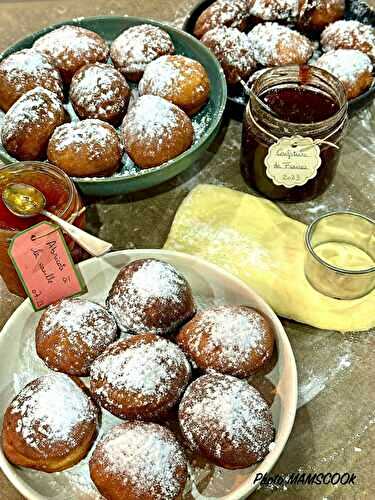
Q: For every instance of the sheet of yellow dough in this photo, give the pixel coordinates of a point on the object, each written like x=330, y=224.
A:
x=253, y=239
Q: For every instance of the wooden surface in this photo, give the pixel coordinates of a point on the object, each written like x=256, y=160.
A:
x=334, y=424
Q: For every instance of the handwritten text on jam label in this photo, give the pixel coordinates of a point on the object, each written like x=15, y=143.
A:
x=44, y=265
x=292, y=161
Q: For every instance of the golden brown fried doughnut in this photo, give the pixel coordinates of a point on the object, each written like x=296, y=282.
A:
x=315, y=15
x=352, y=67
x=100, y=91
x=138, y=46
x=30, y=122
x=86, y=149
x=71, y=47
x=233, y=51
x=349, y=35
x=149, y=295
x=139, y=461
x=50, y=425
x=178, y=79
x=23, y=71
x=226, y=420
x=72, y=333
x=230, y=13
x=234, y=340
x=141, y=377
x=274, y=10
x=155, y=131
x=276, y=45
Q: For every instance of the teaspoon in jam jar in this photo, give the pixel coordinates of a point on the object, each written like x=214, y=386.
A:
x=24, y=200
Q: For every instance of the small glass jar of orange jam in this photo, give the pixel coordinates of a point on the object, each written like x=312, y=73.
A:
x=62, y=199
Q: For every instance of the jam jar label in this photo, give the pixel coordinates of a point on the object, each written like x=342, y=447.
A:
x=292, y=161
x=44, y=265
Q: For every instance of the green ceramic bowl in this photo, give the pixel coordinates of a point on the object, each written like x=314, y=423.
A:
x=206, y=122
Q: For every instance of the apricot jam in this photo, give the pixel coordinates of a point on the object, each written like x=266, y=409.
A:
x=309, y=103
x=56, y=194
x=62, y=199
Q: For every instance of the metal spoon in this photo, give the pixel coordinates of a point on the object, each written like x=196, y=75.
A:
x=249, y=91
x=24, y=200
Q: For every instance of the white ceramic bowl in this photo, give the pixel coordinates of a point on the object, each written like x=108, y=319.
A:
x=211, y=285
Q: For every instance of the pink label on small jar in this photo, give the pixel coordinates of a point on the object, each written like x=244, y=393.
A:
x=44, y=265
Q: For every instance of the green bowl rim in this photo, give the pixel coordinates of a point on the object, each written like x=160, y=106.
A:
x=164, y=25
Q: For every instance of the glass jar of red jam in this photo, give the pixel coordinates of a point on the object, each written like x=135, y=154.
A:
x=62, y=199
x=293, y=101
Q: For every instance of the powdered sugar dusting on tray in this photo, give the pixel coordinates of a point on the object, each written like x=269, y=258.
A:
x=273, y=10
x=144, y=368
x=346, y=64
x=81, y=321
x=200, y=126
x=349, y=34
x=139, y=45
x=270, y=41
x=218, y=408
x=37, y=108
x=50, y=409
x=147, y=455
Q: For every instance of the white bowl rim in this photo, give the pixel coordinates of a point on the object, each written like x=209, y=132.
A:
x=247, y=487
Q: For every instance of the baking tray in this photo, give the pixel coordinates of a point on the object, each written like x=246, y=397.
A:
x=236, y=103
